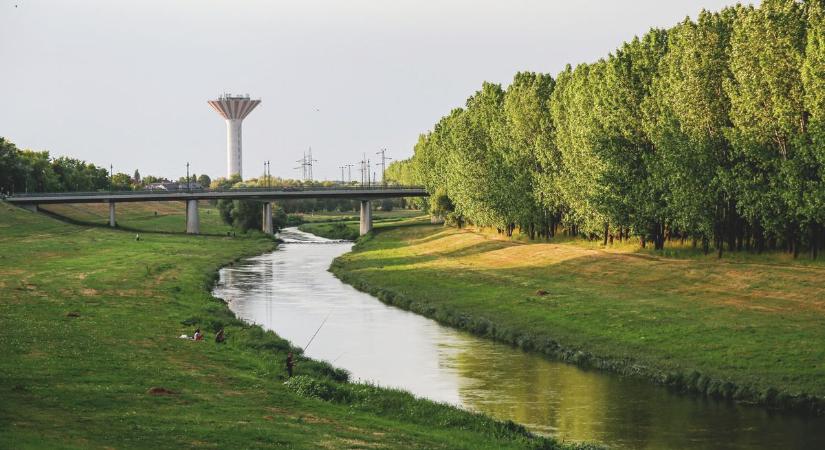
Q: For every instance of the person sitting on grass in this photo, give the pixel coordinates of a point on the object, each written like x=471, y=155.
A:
x=198, y=335
x=220, y=338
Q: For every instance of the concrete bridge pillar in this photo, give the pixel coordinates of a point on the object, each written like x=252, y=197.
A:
x=366, y=217
x=193, y=223
x=267, y=218
x=112, y=221
x=30, y=206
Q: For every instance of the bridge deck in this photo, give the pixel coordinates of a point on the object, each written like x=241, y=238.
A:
x=358, y=193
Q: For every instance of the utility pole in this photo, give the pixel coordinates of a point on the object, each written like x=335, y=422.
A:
x=111, y=177
x=188, y=185
x=349, y=173
x=310, y=161
x=384, y=159
x=363, y=168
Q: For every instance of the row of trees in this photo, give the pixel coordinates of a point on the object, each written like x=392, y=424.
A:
x=31, y=171
x=37, y=171
x=713, y=131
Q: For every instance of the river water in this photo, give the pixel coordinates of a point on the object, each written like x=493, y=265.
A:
x=291, y=292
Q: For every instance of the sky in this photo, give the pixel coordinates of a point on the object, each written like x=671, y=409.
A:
x=126, y=83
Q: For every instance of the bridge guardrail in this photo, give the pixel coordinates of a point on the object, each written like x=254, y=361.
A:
x=187, y=191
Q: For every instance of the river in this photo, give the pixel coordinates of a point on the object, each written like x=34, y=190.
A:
x=291, y=292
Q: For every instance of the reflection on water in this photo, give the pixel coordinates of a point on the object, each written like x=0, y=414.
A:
x=291, y=292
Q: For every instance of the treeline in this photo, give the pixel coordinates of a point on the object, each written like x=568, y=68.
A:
x=712, y=131
x=24, y=171
x=31, y=171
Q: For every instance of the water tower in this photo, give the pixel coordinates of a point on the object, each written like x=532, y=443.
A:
x=233, y=108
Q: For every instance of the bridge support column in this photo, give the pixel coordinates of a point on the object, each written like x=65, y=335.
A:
x=112, y=221
x=267, y=218
x=366, y=217
x=30, y=206
x=193, y=223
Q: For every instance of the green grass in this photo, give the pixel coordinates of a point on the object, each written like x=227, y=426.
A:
x=349, y=229
x=166, y=217
x=89, y=326
x=353, y=216
x=747, y=327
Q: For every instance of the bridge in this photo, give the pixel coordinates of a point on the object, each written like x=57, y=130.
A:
x=365, y=194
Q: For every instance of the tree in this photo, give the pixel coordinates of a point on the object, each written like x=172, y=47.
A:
x=533, y=153
x=686, y=116
x=121, y=182
x=769, y=119
x=204, y=180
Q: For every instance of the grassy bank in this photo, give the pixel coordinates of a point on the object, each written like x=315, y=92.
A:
x=164, y=217
x=349, y=228
x=89, y=326
x=748, y=328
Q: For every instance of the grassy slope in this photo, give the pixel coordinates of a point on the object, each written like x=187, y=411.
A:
x=167, y=217
x=746, y=328
x=344, y=228
x=83, y=382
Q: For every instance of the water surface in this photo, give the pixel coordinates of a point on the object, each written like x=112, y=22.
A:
x=291, y=292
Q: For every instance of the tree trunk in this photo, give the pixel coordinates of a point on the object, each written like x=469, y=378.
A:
x=606, y=232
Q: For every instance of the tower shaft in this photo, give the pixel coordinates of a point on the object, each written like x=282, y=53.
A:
x=234, y=158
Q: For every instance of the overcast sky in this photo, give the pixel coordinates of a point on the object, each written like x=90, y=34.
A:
x=126, y=83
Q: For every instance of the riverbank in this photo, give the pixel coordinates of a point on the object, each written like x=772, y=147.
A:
x=89, y=326
x=348, y=228
x=743, y=329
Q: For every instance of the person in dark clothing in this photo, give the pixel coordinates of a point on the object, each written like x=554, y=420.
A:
x=290, y=363
x=220, y=337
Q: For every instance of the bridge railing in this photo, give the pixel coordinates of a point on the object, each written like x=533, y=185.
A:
x=219, y=190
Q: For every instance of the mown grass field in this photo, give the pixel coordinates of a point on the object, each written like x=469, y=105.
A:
x=165, y=217
x=343, y=227
x=746, y=327
x=89, y=326
x=350, y=216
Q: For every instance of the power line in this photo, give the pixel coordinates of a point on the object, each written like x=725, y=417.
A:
x=384, y=159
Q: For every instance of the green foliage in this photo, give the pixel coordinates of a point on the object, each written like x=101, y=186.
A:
x=30, y=171
x=712, y=130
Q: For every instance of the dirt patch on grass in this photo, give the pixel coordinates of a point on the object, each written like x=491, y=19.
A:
x=309, y=418
x=349, y=443
x=89, y=292
x=160, y=391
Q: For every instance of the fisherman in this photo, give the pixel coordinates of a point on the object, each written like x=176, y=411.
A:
x=290, y=363
x=220, y=338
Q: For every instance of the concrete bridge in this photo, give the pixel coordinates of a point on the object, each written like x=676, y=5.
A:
x=264, y=195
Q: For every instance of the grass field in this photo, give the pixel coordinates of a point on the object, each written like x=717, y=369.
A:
x=746, y=327
x=353, y=216
x=89, y=326
x=166, y=217
x=343, y=227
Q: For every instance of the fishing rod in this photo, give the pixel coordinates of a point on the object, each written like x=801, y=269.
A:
x=316, y=333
